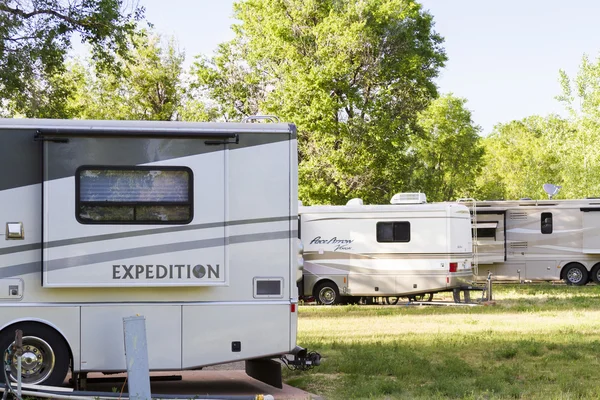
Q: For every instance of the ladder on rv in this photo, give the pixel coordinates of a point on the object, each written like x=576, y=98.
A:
x=474, y=231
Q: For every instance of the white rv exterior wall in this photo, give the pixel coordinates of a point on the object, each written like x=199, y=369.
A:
x=521, y=251
x=340, y=244
x=255, y=197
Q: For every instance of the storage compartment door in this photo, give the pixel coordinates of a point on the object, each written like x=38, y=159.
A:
x=133, y=212
x=591, y=232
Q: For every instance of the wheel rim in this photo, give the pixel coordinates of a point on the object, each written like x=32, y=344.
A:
x=327, y=295
x=37, y=362
x=574, y=275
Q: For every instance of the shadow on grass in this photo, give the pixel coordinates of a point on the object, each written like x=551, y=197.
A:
x=532, y=368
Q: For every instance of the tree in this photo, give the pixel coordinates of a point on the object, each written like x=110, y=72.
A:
x=580, y=153
x=351, y=74
x=35, y=36
x=448, y=153
x=148, y=86
x=520, y=156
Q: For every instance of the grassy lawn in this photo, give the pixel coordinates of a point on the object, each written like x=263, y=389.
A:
x=537, y=342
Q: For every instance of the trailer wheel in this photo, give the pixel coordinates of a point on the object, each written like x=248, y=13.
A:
x=46, y=358
x=575, y=274
x=596, y=273
x=327, y=293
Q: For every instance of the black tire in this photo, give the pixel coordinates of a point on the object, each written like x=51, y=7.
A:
x=46, y=350
x=575, y=274
x=392, y=300
x=327, y=293
x=595, y=274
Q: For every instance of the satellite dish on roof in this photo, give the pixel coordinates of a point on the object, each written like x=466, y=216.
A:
x=551, y=189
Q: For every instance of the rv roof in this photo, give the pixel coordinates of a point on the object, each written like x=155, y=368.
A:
x=384, y=208
x=87, y=127
x=506, y=204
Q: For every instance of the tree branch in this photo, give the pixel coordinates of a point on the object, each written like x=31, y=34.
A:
x=21, y=13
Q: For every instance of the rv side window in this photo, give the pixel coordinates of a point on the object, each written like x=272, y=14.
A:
x=393, y=231
x=546, y=222
x=134, y=195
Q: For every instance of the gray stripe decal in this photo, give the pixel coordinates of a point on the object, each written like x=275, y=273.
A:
x=122, y=235
x=338, y=255
x=52, y=265
x=399, y=272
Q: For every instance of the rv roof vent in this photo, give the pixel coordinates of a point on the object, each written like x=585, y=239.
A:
x=409, y=198
x=355, y=202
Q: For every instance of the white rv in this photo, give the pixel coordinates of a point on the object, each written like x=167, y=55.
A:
x=405, y=249
x=538, y=239
x=191, y=225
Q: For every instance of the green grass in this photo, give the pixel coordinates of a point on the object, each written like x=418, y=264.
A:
x=536, y=342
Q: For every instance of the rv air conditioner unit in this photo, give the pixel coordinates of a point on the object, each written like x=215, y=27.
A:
x=355, y=202
x=409, y=198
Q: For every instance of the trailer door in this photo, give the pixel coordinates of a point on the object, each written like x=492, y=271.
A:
x=133, y=211
x=591, y=230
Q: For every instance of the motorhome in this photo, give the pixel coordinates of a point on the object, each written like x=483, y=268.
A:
x=409, y=248
x=538, y=239
x=191, y=225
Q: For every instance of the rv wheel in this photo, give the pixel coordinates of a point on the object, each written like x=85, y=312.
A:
x=45, y=357
x=327, y=293
x=575, y=274
x=596, y=273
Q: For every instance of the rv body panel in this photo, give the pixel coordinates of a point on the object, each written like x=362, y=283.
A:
x=231, y=260
x=538, y=238
x=346, y=245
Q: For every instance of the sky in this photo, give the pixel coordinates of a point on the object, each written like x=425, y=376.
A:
x=504, y=56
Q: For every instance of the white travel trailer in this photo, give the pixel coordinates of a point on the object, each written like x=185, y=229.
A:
x=538, y=239
x=406, y=249
x=191, y=225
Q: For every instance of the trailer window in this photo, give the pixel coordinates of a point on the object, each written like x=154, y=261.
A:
x=134, y=195
x=546, y=222
x=393, y=232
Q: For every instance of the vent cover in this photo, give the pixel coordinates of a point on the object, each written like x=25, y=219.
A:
x=268, y=287
x=516, y=215
x=518, y=245
x=409, y=198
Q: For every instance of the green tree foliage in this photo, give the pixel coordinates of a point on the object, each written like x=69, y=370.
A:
x=148, y=86
x=448, y=153
x=35, y=36
x=580, y=152
x=351, y=74
x=520, y=156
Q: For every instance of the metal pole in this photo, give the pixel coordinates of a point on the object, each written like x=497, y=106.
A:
x=19, y=354
x=489, y=286
x=136, y=357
